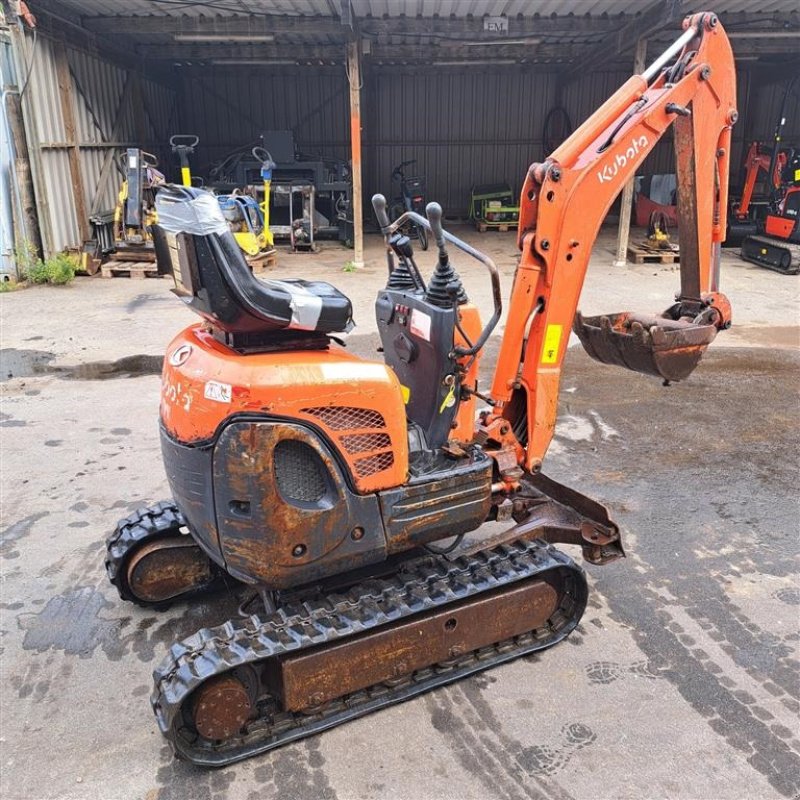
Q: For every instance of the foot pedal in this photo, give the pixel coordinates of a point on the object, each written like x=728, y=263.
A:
x=667, y=348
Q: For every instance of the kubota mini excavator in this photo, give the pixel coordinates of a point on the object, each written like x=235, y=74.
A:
x=323, y=481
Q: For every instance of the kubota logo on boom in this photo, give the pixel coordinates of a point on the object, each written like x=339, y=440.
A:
x=609, y=171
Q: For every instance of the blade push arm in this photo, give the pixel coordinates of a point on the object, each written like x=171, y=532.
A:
x=565, y=199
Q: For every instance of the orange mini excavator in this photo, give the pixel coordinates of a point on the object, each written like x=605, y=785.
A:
x=323, y=481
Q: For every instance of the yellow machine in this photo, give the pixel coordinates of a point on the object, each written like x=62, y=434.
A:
x=267, y=165
x=247, y=218
x=184, y=144
x=135, y=211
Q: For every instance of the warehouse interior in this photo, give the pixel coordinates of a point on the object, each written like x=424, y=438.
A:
x=472, y=92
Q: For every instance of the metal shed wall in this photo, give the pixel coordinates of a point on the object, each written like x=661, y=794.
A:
x=478, y=124
x=467, y=126
x=106, y=121
x=229, y=108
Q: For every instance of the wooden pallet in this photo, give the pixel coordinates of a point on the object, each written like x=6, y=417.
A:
x=263, y=261
x=643, y=255
x=503, y=227
x=129, y=269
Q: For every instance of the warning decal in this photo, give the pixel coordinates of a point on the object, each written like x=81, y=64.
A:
x=421, y=324
x=552, y=339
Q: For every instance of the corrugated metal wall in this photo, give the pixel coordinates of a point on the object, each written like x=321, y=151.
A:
x=228, y=109
x=473, y=125
x=7, y=171
x=104, y=99
x=481, y=127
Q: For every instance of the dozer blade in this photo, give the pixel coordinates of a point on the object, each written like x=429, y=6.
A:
x=667, y=348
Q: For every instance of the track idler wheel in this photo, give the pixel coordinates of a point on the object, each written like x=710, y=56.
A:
x=152, y=561
x=167, y=568
x=221, y=708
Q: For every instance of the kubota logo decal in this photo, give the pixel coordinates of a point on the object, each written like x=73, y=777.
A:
x=609, y=171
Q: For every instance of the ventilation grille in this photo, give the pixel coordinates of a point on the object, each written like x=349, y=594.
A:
x=372, y=464
x=365, y=442
x=354, y=430
x=299, y=472
x=343, y=418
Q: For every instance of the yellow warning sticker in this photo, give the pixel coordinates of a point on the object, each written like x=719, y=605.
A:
x=552, y=339
x=797, y=175
x=405, y=392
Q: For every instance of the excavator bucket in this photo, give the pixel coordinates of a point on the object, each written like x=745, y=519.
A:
x=667, y=348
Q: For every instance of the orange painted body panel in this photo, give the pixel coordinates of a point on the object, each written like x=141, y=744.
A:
x=356, y=403
x=779, y=227
x=470, y=319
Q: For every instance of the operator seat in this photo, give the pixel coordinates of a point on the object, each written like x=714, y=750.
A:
x=193, y=242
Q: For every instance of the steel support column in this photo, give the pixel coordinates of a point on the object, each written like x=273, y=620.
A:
x=354, y=78
x=626, y=203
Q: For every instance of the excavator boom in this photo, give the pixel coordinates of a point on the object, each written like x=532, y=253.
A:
x=564, y=201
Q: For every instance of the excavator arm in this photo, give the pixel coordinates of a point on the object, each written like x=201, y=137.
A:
x=564, y=201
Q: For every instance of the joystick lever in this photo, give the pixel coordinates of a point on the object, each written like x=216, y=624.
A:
x=379, y=205
x=434, y=214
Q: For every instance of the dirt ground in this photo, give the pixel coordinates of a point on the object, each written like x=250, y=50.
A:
x=681, y=681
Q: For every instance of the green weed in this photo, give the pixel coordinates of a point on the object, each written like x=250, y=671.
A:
x=61, y=268
x=58, y=270
x=25, y=258
x=349, y=267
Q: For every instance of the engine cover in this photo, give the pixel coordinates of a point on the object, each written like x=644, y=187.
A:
x=356, y=404
x=285, y=514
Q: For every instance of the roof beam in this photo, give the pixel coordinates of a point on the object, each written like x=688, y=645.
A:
x=654, y=19
x=235, y=25
x=567, y=24
x=379, y=52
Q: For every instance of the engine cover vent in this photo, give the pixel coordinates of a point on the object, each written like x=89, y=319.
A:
x=299, y=472
x=342, y=418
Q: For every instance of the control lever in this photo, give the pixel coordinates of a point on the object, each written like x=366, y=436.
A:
x=379, y=205
x=434, y=214
x=396, y=243
x=412, y=216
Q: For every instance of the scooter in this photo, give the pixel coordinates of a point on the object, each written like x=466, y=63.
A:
x=412, y=198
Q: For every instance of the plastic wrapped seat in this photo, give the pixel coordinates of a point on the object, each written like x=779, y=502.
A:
x=193, y=242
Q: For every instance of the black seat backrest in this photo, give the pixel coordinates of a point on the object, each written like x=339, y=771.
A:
x=212, y=277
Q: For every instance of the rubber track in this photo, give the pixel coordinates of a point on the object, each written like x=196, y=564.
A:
x=145, y=524
x=794, y=251
x=425, y=585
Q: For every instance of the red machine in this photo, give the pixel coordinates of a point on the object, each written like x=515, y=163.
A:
x=769, y=234
x=323, y=481
x=757, y=160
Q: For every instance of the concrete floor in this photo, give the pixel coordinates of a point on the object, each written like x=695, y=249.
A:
x=681, y=681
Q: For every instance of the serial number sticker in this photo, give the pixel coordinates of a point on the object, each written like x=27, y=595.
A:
x=421, y=324
x=220, y=392
x=552, y=339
